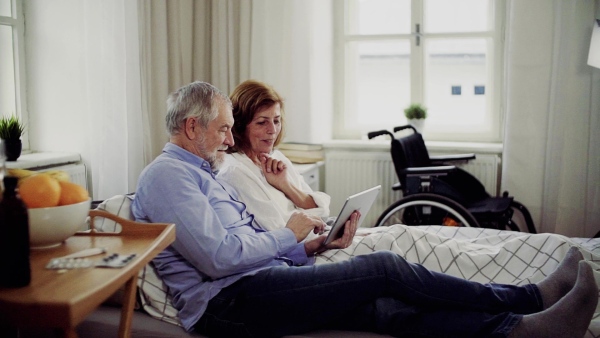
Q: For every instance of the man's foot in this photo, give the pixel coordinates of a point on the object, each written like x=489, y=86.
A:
x=569, y=317
x=561, y=281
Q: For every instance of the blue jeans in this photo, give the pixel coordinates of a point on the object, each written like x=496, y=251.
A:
x=379, y=292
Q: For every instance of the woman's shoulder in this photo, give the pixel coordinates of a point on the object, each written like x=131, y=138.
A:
x=234, y=164
x=230, y=162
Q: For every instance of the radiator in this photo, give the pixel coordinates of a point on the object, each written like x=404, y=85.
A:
x=77, y=173
x=350, y=171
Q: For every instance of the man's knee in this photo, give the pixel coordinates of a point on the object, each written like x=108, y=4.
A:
x=386, y=258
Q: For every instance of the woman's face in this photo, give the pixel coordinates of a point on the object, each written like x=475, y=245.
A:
x=263, y=130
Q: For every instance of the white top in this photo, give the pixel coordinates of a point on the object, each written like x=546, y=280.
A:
x=271, y=208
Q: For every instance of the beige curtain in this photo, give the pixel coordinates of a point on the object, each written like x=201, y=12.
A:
x=184, y=41
x=552, y=145
x=287, y=44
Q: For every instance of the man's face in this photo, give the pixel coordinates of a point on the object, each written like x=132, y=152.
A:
x=211, y=144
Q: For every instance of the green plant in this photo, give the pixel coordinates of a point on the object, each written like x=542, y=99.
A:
x=415, y=111
x=11, y=128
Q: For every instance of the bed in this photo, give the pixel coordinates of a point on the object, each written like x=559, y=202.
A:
x=483, y=255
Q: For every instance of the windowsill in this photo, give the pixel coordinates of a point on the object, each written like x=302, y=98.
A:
x=41, y=160
x=432, y=146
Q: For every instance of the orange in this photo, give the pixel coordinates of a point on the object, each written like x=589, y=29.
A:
x=71, y=193
x=40, y=191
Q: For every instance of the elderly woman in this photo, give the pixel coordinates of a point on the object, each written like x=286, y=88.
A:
x=265, y=179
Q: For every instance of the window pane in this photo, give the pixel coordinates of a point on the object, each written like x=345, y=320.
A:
x=5, y=8
x=443, y=16
x=378, y=79
x=454, y=69
x=370, y=17
x=7, y=72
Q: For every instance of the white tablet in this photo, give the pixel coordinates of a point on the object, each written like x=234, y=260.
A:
x=361, y=202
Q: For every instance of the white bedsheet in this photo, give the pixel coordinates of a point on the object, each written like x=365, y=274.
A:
x=482, y=255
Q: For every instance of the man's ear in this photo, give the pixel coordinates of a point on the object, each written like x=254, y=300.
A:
x=189, y=128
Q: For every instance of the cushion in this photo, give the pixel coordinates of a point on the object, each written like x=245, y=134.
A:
x=119, y=205
x=153, y=293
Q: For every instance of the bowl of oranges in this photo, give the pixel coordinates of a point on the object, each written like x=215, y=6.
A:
x=57, y=208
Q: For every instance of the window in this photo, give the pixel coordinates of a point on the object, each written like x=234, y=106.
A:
x=444, y=54
x=12, y=60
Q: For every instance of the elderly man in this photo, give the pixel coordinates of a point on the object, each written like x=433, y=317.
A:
x=228, y=278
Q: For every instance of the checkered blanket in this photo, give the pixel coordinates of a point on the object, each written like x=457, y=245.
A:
x=482, y=255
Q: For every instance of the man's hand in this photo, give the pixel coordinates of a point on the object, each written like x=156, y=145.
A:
x=302, y=224
x=316, y=245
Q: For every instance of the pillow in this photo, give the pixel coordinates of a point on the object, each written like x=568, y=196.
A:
x=154, y=297
x=153, y=293
x=119, y=205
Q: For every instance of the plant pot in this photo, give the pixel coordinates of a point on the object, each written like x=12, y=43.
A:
x=13, y=149
x=419, y=124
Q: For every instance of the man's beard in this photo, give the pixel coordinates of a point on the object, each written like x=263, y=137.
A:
x=215, y=160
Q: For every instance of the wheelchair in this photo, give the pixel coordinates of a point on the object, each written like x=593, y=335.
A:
x=436, y=192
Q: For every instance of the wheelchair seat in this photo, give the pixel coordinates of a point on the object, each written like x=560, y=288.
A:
x=422, y=175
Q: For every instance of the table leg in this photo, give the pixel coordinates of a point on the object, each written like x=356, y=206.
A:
x=128, y=307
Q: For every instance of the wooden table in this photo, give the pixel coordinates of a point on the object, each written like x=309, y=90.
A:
x=63, y=299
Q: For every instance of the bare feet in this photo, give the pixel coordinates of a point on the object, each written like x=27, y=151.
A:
x=561, y=281
x=569, y=317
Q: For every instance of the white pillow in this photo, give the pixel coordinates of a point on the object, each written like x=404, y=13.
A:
x=154, y=296
x=119, y=205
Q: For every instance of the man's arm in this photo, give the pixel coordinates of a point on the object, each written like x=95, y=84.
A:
x=212, y=231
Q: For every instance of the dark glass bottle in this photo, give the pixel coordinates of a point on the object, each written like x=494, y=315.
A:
x=14, y=238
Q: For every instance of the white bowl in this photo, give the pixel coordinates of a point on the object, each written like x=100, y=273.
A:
x=49, y=227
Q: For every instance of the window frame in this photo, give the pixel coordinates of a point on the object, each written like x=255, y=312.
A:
x=417, y=74
x=17, y=22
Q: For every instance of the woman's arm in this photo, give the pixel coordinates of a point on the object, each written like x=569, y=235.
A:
x=276, y=173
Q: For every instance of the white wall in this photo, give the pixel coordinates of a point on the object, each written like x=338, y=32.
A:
x=300, y=71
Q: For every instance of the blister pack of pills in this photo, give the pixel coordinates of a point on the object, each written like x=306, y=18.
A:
x=115, y=261
x=77, y=261
x=69, y=263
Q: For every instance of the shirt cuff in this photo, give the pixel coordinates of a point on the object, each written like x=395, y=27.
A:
x=298, y=255
x=291, y=250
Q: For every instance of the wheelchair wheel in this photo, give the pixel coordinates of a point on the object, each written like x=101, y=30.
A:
x=427, y=209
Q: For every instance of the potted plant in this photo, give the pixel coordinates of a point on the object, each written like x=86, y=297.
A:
x=11, y=130
x=416, y=115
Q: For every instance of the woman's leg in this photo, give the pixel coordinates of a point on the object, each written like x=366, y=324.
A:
x=282, y=301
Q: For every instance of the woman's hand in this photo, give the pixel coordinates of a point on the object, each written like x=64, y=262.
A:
x=316, y=245
x=275, y=172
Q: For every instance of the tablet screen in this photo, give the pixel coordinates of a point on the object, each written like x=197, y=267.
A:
x=361, y=202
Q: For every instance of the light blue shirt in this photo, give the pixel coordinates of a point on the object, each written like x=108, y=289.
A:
x=216, y=243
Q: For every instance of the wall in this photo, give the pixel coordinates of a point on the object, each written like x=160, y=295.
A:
x=299, y=64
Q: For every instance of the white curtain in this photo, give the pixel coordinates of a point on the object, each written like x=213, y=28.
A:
x=112, y=80
x=552, y=145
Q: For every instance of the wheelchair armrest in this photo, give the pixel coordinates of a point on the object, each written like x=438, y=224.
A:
x=449, y=158
x=429, y=171
x=397, y=186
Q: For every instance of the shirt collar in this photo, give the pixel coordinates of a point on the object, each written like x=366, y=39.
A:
x=184, y=155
